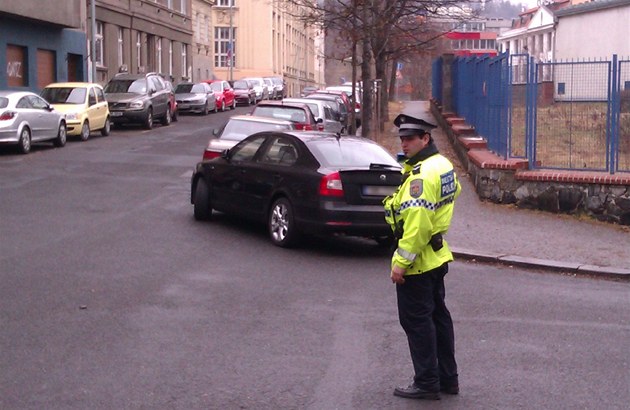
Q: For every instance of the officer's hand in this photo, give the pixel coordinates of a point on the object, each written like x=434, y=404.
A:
x=397, y=275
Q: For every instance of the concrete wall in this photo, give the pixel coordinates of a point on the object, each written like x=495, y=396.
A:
x=66, y=13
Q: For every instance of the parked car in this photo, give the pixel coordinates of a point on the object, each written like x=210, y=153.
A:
x=223, y=93
x=337, y=104
x=195, y=97
x=168, y=81
x=138, y=98
x=244, y=92
x=271, y=89
x=298, y=113
x=300, y=183
x=280, y=87
x=84, y=106
x=326, y=117
x=239, y=127
x=25, y=118
x=308, y=90
x=262, y=92
x=348, y=90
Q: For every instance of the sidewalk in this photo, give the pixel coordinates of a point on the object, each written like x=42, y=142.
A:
x=489, y=232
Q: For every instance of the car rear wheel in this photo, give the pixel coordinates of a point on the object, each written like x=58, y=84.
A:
x=60, y=141
x=205, y=109
x=281, y=224
x=25, y=141
x=234, y=104
x=166, y=120
x=107, y=128
x=85, y=131
x=223, y=105
x=202, y=204
x=148, y=121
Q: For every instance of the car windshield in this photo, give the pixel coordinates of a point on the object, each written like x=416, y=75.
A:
x=281, y=113
x=240, y=85
x=256, y=82
x=237, y=130
x=183, y=88
x=216, y=87
x=4, y=102
x=65, y=95
x=349, y=153
x=127, y=86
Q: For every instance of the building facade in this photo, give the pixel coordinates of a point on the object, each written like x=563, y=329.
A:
x=138, y=36
x=52, y=49
x=255, y=38
x=202, y=45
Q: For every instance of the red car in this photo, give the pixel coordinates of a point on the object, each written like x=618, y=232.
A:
x=224, y=94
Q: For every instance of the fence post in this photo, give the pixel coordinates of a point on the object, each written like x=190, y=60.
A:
x=614, y=109
x=530, y=121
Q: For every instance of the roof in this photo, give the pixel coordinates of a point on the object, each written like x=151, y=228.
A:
x=591, y=6
x=254, y=118
x=71, y=84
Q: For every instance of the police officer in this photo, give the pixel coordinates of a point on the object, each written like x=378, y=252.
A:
x=420, y=213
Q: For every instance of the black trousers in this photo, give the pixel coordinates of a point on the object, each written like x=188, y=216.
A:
x=427, y=322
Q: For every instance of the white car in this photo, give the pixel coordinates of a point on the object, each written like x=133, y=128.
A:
x=262, y=92
x=25, y=118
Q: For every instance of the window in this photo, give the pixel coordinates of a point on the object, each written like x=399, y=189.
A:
x=138, y=49
x=98, y=44
x=247, y=150
x=561, y=88
x=224, y=55
x=170, y=57
x=225, y=3
x=184, y=65
x=158, y=53
x=120, y=47
x=182, y=6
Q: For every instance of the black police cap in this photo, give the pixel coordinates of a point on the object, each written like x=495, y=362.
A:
x=408, y=126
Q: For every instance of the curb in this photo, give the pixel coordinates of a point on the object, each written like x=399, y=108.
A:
x=534, y=263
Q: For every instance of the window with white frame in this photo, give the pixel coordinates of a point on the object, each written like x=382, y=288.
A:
x=120, y=47
x=182, y=6
x=198, y=24
x=225, y=3
x=224, y=55
x=98, y=44
x=158, y=53
x=170, y=57
x=184, y=65
x=169, y=4
x=138, y=49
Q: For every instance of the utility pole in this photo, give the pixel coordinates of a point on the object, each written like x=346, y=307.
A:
x=231, y=45
x=93, y=39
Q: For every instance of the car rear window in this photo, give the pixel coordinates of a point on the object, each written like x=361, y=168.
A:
x=349, y=153
x=127, y=86
x=237, y=130
x=183, y=88
x=240, y=85
x=64, y=95
x=281, y=113
x=4, y=102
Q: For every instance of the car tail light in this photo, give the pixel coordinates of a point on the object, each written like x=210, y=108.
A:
x=207, y=154
x=357, y=106
x=303, y=127
x=320, y=127
x=7, y=115
x=330, y=185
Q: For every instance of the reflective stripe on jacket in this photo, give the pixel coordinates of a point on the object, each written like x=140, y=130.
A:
x=423, y=206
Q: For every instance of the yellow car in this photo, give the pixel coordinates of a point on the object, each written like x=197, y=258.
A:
x=84, y=106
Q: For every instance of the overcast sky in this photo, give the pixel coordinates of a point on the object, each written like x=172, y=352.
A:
x=529, y=3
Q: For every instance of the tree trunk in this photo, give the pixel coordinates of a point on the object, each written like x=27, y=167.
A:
x=366, y=102
x=393, y=83
x=380, y=68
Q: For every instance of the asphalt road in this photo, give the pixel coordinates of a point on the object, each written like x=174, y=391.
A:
x=113, y=297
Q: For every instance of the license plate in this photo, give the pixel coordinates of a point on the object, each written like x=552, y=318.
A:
x=116, y=114
x=378, y=190
x=183, y=106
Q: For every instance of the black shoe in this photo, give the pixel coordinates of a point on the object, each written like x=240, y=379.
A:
x=450, y=389
x=414, y=392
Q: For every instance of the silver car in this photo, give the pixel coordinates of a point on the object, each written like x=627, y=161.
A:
x=262, y=92
x=195, y=97
x=25, y=117
x=323, y=110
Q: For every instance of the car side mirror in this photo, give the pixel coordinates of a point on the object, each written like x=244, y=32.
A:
x=215, y=132
x=319, y=120
x=225, y=154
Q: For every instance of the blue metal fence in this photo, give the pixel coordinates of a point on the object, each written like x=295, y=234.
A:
x=560, y=115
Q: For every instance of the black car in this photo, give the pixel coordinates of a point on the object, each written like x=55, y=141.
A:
x=300, y=183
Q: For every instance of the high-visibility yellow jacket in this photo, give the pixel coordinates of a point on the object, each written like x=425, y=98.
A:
x=421, y=207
